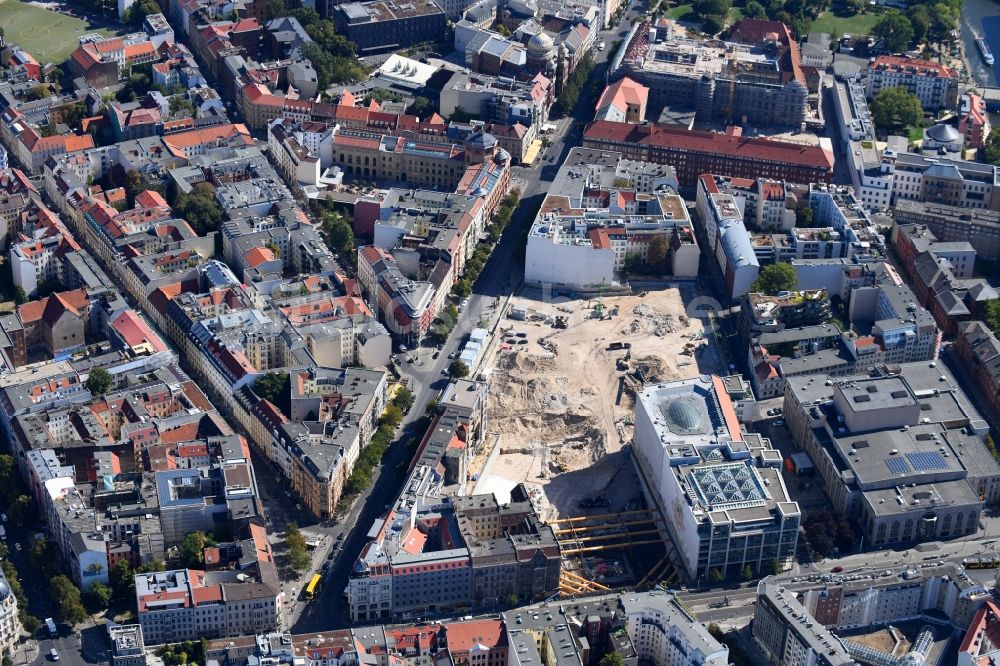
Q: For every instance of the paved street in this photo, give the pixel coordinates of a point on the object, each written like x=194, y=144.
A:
x=500, y=277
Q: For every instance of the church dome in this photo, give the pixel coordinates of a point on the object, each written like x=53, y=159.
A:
x=540, y=46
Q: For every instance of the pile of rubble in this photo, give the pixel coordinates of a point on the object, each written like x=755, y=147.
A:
x=647, y=319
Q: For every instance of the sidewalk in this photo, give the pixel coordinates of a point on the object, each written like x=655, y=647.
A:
x=26, y=652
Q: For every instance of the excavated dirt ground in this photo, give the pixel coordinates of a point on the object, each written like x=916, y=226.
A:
x=557, y=400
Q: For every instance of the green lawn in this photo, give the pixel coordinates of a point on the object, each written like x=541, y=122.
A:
x=681, y=12
x=859, y=24
x=49, y=36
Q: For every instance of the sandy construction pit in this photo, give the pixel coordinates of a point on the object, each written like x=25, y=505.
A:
x=557, y=400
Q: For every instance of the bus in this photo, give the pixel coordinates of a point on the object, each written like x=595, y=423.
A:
x=313, y=587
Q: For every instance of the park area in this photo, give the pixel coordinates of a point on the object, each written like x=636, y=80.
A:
x=47, y=35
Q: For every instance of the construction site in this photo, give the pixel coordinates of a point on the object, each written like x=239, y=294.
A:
x=562, y=387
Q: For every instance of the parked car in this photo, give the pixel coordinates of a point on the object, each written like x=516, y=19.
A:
x=452, y=356
x=837, y=569
x=53, y=655
x=779, y=422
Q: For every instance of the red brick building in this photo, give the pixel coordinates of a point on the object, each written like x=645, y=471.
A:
x=694, y=152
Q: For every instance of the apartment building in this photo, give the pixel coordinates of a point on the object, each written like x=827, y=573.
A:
x=10, y=624
x=590, y=227
x=942, y=275
x=756, y=76
x=973, y=121
x=953, y=224
x=941, y=180
x=979, y=350
x=768, y=313
x=794, y=621
x=652, y=626
x=377, y=26
x=935, y=85
x=239, y=595
x=729, y=241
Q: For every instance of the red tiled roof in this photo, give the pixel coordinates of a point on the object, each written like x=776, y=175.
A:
x=464, y=636
x=257, y=256
x=918, y=67
x=699, y=141
x=134, y=330
x=150, y=199
x=624, y=92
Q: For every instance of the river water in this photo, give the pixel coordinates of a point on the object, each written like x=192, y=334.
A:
x=981, y=17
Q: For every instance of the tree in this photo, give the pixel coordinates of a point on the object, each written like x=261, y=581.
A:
x=99, y=596
x=193, y=549
x=944, y=20
x=712, y=24
x=179, y=103
x=777, y=277
x=23, y=510
x=775, y=567
x=392, y=415
x=715, y=575
x=331, y=56
x=41, y=91
x=421, y=108
x=404, y=399
x=20, y=297
x=458, y=369
x=755, y=10
x=31, y=624
x=43, y=556
x=747, y=573
x=274, y=9
x=66, y=595
x=896, y=108
x=138, y=12
x=274, y=387
x=339, y=236
x=895, y=28
x=633, y=263
x=991, y=149
x=612, y=659
x=200, y=209
x=657, y=257
x=99, y=381
x=920, y=21
x=804, y=217
x=306, y=16
x=298, y=554
x=122, y=580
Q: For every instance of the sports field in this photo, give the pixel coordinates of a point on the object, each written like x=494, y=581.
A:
x=47, y=35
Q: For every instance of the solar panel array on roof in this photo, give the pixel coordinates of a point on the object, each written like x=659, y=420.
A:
x=897, y=465
x=923, y=462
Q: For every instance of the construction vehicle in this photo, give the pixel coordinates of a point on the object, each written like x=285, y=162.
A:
x=619, y=345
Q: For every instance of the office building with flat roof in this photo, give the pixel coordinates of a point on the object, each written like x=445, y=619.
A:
x=898, y=448
x=380, y=26
x=718, y=488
